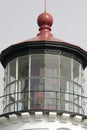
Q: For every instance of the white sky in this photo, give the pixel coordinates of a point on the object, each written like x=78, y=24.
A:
x=18, y=22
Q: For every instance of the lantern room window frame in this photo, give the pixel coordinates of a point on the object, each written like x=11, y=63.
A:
x=48, y=93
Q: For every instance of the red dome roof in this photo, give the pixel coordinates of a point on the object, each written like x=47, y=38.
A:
x=45, y=21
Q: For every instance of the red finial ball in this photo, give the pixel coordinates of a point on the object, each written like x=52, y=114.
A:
x=45, y=19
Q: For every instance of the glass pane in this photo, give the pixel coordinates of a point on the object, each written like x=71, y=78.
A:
x=75, y=88
x=23, y=94
x=12, y=93
x=12, y=88
x=23, y=67
x=37, y=84
x=76, y=103
x=52, y=84
x=52, y=65
x=7, y=100
x=37, y=65
x=63, y=86
x=37, y=100
x=71, y=87
x=16, y=106
x=71, y=102
x=66, y=86
x=58, y=102
x=12, y=107
x=65, y=67
x=50, y=100
x=19, y=105
x=77, y=72
x=12, y=70
x=62, y=102
x=6, y=76
x=76, y=108
x=7, y=90
x=20, y=102
x=4, y=99
x=37, y=93
x=7, y=97
x=84, y=105
x=19, y=90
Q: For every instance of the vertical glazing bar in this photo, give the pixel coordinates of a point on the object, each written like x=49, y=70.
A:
x=5, y=84
x=8, y=79
x=16, y=90
x=72, y=79
x=59, y=93
x=29, y=82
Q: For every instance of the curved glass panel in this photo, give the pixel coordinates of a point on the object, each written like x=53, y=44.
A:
x=77, y=72
x=23, y=67
x=65, y=67
x=37, y=82
x=52, y=65
x=12, y=71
